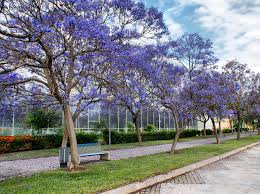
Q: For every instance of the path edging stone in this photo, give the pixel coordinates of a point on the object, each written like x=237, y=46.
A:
x=136, y=186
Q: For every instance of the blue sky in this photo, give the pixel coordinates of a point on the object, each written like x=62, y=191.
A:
x=232, y=25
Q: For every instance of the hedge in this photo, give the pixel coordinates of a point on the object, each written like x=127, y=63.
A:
x=208, y=132
x=227, y=130
x=119, y=138
x=25, y=143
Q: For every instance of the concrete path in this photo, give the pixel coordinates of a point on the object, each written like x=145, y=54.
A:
x=237, y=174
x=27, y=167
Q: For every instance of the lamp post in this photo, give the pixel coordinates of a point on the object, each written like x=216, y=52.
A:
x=109, y=99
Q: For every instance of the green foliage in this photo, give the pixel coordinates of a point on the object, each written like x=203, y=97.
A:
x=15, y=143
x=130, y=127
x=87, y=138
x=226, y=131
x=39, y=118
x=102, y=125
x=22, y=143
x=241, y=129
x=151, y=128
x=189, y=133
x=244, y=129
x=209, y=132
x=54, y=141
x=118, y=138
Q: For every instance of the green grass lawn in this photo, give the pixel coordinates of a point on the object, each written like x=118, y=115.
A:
x=107, y=175
x=54, y=152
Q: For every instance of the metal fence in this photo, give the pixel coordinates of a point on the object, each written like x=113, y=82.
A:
x=94, y=119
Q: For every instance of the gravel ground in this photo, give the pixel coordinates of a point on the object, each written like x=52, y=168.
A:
x=27, y=167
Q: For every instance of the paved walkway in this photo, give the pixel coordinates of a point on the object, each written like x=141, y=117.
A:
x=238, y=174
x=26, y=167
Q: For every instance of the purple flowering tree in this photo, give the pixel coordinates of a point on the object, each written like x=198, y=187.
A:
x=252, y=113
x=8, y=84
x=194, y=54
x=129, y=87
x=185, y=56
x=243, y=77
x=166, y=88
x=212, y=95
x=68, y=48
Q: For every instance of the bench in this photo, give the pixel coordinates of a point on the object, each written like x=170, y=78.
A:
x=92, y=149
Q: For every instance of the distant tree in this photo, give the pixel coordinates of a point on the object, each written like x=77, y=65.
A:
x=180, y=62
x=129, y=88
x=39, y=119
x=241, y=74
x=192, y=52
x=204, y=118
x=252, y=113
x=167, y=82
x=212, y=94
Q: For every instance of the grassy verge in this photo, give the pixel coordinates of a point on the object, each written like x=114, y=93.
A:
x=54, y=152
x=102, y=176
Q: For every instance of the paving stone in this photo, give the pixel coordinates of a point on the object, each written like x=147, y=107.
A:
x=188, y=178
x=237, y=174
x=215, y=166
x=241, y=176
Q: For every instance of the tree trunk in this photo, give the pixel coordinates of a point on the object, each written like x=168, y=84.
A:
x=215, y=130
x=178, y=132
x=138, y=131
x=75, y=161
x=65, y=137
x=238, y=126
x=220, y=130
x=204, y=128
x=231, y=125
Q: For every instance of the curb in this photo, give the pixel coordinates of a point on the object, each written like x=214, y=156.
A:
x=136, y=186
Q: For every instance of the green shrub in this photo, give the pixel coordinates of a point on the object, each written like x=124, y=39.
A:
x=41, y=142
x=227, y=131
x=22, y=143
x=130, y=127
x=53, y=141
x=150, y=128
x=188, y=133
x=244, y=129
x=158, y=135
x=87, y=138
x=119, y=138
x=209, y=132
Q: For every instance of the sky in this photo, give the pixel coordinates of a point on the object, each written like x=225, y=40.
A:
x=232, y=25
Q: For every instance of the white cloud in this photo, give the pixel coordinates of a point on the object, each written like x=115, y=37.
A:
x=174, y=27
x=236, y=28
